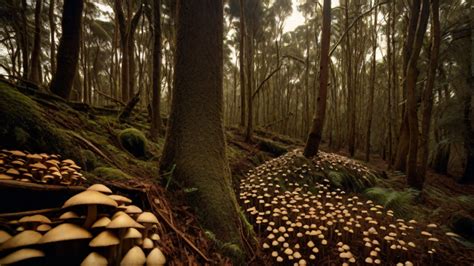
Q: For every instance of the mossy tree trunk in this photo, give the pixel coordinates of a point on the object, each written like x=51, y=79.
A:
x=195, y=142
x=68, y=50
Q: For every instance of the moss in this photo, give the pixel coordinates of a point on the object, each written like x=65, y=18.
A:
x=111, y=173
x=399, y=201
x=272, y=147
x=24, y=127
x=90, y=160
x=134, y=141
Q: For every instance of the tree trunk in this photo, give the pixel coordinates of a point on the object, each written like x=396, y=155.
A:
x=411, y=77
x=314, y=137
x=68, y=49
x=35, y=53
x=156, y=123
x=249, y=91
x=195, y=144
x=24, y=40
x=242, y=64
x=428, y=92
x=52, y=28
x=370, y=108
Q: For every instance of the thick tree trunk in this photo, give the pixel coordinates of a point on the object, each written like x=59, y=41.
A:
x=370, y=108
x=35, y=72
x=156, y=123
x=428, y=92
x=195, y=144
x=411, y=77
x=68, y=49
x=314, y=137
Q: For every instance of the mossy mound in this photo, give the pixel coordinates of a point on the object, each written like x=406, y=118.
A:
x=134, y=141
x=110, y=173
x=24, y=127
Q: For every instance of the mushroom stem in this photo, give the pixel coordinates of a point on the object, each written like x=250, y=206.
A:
x=91, y=215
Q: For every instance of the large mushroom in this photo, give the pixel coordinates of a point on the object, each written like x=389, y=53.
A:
x=91, y=199
x=21, y=255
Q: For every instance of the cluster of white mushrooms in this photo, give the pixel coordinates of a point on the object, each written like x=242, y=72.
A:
x=302, y=220
x=95, y=228
x=39, y=168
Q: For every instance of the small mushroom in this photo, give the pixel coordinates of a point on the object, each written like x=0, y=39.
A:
x=21, y=255
x=64, y=232
x=156, y=257
x=135, y=256
x=94, y=259
x=25, y=238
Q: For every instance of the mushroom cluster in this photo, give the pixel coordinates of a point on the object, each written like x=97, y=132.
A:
x=96, y=227
x=304, y=221
x=39, y=168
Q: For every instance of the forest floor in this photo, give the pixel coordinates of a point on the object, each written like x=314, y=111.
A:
x=93, y=132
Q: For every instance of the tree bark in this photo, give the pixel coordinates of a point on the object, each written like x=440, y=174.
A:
x=35, y=72
x=428, y=92
x=68, y=49
x=52, y=28
x=370, y=108
x=195, y=144
x=242, y=63
x=411, y=77
x=156, y=123
x=315, y=135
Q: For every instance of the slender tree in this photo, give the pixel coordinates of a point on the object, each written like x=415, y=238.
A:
x=314, y=137
x=370, y=107
x=68, y=49
x=35, y=71
x=195, y=144
x=242, y=34
x=156, y=123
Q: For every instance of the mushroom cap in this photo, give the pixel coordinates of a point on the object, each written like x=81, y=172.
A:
x=123, y=221
x=102, y=222
x=132, y=209
x=156, y=257
x=39, y=166
x=147, y=217
x=90, y=197
x=120, y=198
x=4, y=236
x=132, y=233
x=147, y=243
x=22, y=254
x=17, y=153
x=155, y=237
x=25, y=238
x=69, y=162
x=105, y=239
x=69, y=215
x=43, y=228
x=12, y=171
x=38, y=218
x=64, y=232
x=5, y=177
x=94, y=259
x=100, y=188
x=134, y=256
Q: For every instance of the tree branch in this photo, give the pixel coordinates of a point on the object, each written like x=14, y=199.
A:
x=352, y=25
x=265, y=80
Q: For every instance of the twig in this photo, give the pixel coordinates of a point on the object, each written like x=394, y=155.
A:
x=26, y=213
x=93, y=147
x=39, y=187
x=110, y=97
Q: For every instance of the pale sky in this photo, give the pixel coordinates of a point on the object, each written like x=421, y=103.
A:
x=296, y=18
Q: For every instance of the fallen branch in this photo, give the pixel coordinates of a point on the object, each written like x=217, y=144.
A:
x=93, y=147
x=39, y=187
x=110, y=97
x=265, y=80
x=27, y=213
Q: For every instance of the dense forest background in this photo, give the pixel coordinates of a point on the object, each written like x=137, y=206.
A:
x=271, y=75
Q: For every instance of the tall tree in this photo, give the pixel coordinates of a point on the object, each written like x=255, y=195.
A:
x=370, y=107
x=242, y=34
x=195, y=144
x=68, y=49
x=427, y=98
x=156, y=123
x=52, y=28
x=314, y=137
x=35, y=71
x=410, y=80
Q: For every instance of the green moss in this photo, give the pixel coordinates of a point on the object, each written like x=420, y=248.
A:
x=90, y=160
x=399, y=201
x=111, y=173
x=24, y=127
x=134, y=141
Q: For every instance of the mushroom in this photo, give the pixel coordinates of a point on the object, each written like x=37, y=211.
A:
x=100, y=188
x=156, y=257
x=134, y=256
x=21, y=255
x=64, y=232
x=105, y=239
x=91, y=199
x=4, y=236
x=25, y=238
x=94, y=259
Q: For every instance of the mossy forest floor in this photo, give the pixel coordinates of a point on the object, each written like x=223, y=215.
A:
x=37, y=122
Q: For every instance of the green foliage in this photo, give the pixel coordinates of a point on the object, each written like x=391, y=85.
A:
x=272, y=147
x=134, y=141
x=89, y=159
x=398, y=201
x=23, y=126
x=111, y=173
x=351, y=181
